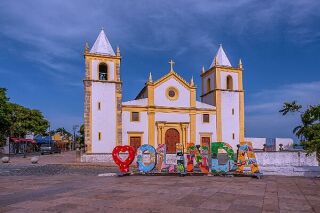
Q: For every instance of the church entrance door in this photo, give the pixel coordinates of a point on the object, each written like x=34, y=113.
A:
x=172, y=137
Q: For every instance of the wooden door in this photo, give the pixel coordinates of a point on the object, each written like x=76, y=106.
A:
x=172, y=137
x=135, y=142
x=205, y=141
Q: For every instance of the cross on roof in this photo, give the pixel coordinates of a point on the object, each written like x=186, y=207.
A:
x=171, y=64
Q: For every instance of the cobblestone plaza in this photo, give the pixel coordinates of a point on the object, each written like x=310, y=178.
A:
x=78, y=188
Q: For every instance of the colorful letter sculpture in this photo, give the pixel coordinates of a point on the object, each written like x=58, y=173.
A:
x=123, y=165
x=201, y=155
x=157, y=160
x=247, y=159
x=140, y=158
x=180, y=158
x=161, y=158
x=222, y=157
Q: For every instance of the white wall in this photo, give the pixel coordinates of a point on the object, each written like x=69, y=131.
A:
x=286, y=142
x=286, y=159
x=128, y=126
x=103, y=120
x=257, y=143
x=208, y=99
x=95, y=70
x=172, y=117
x=205, y=128
x=162, y=100
x=230, y=123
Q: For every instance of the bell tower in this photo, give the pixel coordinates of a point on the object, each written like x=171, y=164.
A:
x=103, y=96
x=222, y=87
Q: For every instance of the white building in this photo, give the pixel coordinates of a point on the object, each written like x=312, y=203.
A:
x=165, y=111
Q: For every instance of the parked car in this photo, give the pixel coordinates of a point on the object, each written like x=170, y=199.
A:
x=49, y=148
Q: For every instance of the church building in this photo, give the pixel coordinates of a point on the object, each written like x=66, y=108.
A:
x=165, y=110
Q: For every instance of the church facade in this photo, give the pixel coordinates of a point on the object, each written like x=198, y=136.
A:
x=166, y=110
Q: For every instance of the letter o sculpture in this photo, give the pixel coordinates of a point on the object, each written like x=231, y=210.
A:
x=123, y=165
x=141, y=150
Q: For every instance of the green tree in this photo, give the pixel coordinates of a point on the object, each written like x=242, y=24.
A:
x=63, y=132
x=26, y=120
x=81, y=136
x=5, y=113
x=309, y=130
x=16, y=120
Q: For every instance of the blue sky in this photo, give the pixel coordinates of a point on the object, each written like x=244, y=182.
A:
x=42, y=66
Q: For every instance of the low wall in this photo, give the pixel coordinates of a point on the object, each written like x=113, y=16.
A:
x=270, y=163
x=294, y=158
x=101, y=158
x=294, y=163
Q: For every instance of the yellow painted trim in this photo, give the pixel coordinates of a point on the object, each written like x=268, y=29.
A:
x=138, y=116
x=134, y=108
x=89, y=147
x=151, y=128
x=176, y=77
x=115, y=77
x=135, y=134
x=205, y=134
x=241, y=108
x=222, y=69
x=202, y=89
x=177, y=126
x=150, y=91
x=99, y=57
x=193, y=97
x=193, y=127
x=218, y=106
x=176, y=91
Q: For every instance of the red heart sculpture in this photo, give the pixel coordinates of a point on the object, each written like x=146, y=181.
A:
x=123, y=165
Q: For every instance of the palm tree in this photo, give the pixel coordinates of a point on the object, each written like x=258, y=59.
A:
x=309, y=130
x=290, y=107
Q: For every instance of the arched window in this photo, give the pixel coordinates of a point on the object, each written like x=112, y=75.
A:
x=229, y=82
x=103, y=71
x=208, y=85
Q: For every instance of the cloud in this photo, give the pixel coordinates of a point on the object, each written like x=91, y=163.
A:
x=262, y=110
x=54, y=31
x=51, y=34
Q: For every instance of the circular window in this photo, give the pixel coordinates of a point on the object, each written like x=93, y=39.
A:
x=172, y=93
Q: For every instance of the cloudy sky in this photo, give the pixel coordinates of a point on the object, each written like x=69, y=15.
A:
x=41, y=51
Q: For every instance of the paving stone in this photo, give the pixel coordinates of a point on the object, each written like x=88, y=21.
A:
x=79, y=189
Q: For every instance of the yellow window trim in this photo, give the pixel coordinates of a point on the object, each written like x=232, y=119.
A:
x=203, y=118
x=176, y=92
x=135, y=134
x=132, y=114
